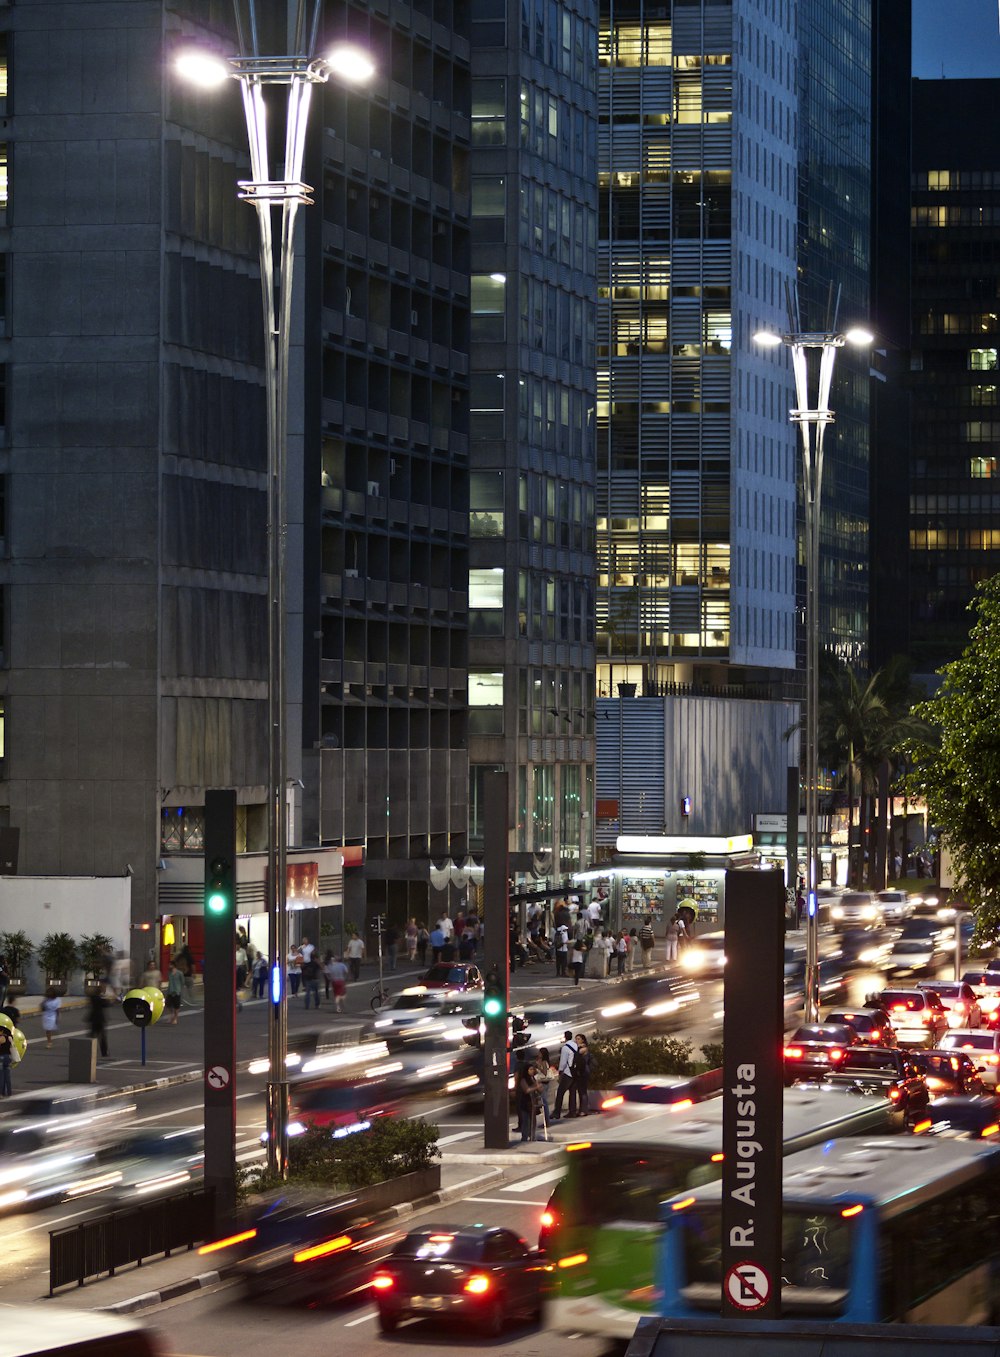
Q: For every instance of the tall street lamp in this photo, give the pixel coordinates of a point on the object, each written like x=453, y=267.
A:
x=298, y=71
x=813, y=355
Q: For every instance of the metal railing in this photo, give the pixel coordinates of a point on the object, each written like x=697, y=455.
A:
x=79, y=1253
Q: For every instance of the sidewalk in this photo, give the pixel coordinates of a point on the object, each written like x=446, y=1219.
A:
x=142, y=1288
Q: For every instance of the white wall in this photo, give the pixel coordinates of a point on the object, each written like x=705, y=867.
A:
x=76, y=905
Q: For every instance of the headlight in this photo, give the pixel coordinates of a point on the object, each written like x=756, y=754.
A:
x=870, y=912
x=693, y=959
x=930, y=899
x=837, y=912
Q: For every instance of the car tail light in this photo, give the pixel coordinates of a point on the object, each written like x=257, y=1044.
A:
x=548, y=1220
x=934, y=1082
x=895, y=1094
x=836, y=1054
x=922, y=1126
x=574, y=1260
x=616, y=1101
x=992, y=1058
x=991, y=1130
x=228, y=1241
x=478, y=1284
x=383, y=1281
x=875, y=1036
x=794, y=1053
x=682, y=1105
x=328, y=1246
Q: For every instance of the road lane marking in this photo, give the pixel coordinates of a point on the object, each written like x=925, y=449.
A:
x=458, y=1135
x=363, y=1320
x=527, y=1183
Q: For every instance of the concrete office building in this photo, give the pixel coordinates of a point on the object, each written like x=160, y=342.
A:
x=955, y=462
x=132, y=471
x=534, y=264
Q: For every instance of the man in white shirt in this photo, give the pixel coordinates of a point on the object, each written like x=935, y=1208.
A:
x=566, y=1054
x=355, y=951
x=446, y=926
x=561, y=941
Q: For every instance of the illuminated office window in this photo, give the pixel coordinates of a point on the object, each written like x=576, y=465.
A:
x=485, y=702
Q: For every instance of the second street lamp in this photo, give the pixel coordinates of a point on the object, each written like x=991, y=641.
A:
x=813, y=356
x=299, y=72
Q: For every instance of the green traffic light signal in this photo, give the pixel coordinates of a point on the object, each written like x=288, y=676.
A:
x=219, y=889
x=493, y=1006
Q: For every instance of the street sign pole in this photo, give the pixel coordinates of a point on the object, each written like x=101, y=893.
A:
x=496, y=927
x=220, y=1001
x=752, y=1090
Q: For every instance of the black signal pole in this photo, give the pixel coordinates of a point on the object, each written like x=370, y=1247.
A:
x=496, y=925
x=220, y=1001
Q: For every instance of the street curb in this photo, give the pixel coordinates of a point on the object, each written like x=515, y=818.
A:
x=147, y=1300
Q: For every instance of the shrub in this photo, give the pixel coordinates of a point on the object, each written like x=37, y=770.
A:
x=712, y=1051
x=388, y=1149
x=617, y=1058
x=18, y=950
x=57, y=955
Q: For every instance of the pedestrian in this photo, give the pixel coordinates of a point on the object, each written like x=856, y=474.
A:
x=311, y=972
x=467, y=945
x=445, y=924
x=306, y=949
x=355, y=954
x=621, y=951
x=527, y=1090
x=581, y=1074
x=6, y=1060
x=242, y=965
x=412, y=933
x=259, y=975
x=175, y=989
x=423, y=938
x=545, y=1074
x=98, y=1017
x=336, y=973
x=646, y=940
x=293, y=968
x=577, y=957
x=51, y=1005
x=562, y=950
x=391, y=939
x=437, y=940
x=673, y=935
x=565, y=1072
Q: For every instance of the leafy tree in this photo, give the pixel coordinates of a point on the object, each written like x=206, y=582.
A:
x=957, y=765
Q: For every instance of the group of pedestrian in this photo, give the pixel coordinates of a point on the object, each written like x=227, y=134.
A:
x=535, y=1078
x=573, y=1073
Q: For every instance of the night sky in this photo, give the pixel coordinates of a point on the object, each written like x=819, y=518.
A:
x=960, y=36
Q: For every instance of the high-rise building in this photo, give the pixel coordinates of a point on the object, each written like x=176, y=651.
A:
x=385, y=459
x=955, y=461
x=531, y=551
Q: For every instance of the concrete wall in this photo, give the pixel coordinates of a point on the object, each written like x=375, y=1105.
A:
x=79, y=906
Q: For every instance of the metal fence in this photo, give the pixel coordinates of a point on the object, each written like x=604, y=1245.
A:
x=79, y=1253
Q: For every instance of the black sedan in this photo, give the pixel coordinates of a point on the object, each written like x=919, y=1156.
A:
x=871, y=1024
x=948, y=1073
x=473, y=1274
x=816, y=1050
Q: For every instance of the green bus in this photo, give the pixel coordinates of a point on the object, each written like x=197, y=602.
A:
x=601, y=1228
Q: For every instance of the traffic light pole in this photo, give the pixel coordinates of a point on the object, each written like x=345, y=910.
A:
x=496, y=925
x=220, y=1000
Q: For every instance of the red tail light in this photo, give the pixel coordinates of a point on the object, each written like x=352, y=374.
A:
x=478, y=1284
x=836, y=1054
x=876, y=1037
x=548, y=1220
x=383, y=1281
x=895, y=1094
x=794, y=1053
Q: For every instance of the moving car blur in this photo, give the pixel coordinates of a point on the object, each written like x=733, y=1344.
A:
x=467, y=1274
x=815, y=1049
x=982, y=1046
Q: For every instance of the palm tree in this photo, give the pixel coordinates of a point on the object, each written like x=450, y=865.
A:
x=852, y=712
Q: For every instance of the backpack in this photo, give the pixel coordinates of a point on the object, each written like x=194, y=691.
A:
x=581, y=1064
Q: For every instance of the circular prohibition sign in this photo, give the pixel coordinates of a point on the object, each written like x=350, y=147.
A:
x=217, y=1076
x=747, y=1286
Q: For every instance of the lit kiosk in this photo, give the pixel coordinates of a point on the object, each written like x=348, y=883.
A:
x=651, y=875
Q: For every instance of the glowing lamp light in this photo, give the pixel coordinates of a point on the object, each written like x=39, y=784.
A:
x=276, y=984
x=859, y=336
x=202, y=68
x=350, y=63
x=767, y=338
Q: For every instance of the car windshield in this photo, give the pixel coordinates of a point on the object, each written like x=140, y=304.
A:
x=824, y=1033
x=968, y=1041
x=859, y=1021
x=452, y=975
x=900, y=1000
x=867, y=1058
x=441, y=1244
x=948, y=991
x=982, y=979
x=413, y=1001
x=911, y=945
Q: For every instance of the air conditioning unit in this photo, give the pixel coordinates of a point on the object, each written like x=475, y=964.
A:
x=374, y=488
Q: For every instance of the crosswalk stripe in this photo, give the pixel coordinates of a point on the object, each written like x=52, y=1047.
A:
x=526, y=1184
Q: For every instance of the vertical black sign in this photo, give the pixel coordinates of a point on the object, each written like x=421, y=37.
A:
x=220, y=1000
x=496, y=958
x=753, y=1037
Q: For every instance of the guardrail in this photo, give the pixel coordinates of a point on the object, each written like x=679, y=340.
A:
x=79, y=1253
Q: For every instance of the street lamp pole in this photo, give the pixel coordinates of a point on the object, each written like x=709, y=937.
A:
x=813, y=356
x=299, y=72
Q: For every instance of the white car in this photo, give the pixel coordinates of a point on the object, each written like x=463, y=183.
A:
x=982, y=1046
x=897, y=906
x=856, y=909
x=705, y=955
x=960, y=1002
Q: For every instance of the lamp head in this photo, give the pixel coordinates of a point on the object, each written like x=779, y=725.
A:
x=767, y=339
x=199, y=67
x=350, y=63
x=859, y=336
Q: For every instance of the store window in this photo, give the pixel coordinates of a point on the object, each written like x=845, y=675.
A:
x=182, y=829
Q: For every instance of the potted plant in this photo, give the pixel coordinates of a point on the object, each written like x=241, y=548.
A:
x=93, y=951
x=17, y=948
x=57, y=956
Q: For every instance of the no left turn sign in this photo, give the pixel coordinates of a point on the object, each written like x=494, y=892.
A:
x=217, y=1076
x=748, y=1286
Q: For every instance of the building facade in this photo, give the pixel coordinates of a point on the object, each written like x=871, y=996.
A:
x=531, y=559
x=955, y=256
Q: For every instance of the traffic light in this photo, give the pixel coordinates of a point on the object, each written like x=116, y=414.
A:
x=144, y=1006
x=519, y=1034
x=494, y=998
x=219, y=895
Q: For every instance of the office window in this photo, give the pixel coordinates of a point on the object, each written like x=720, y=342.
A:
x=489, y=121
x=982, y=360
x=4, y=184
x=488, y=294
x=486, y=405
x=489, y=23
x=3, y=74
x=486, y=504
x=486, y=602
x=485, y=703
x=489, y=208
